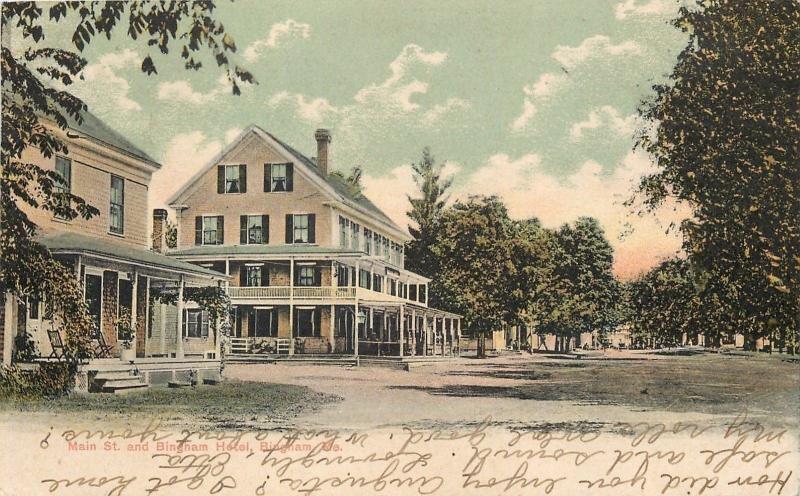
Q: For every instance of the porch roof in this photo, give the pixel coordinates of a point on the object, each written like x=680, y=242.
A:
x=78, y=244
x=233, y=250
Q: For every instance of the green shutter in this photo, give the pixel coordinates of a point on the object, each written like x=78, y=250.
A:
x=289, y=177
x=265, y=229
x=311, y=231
x=289, y=229
x=267, y=178
x=198, y=230
x=243, y=229
x=220, y=230
x=242, y=179
x=220, y=179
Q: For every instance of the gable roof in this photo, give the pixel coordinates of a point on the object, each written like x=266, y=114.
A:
x=337, y=188
x=98, y=130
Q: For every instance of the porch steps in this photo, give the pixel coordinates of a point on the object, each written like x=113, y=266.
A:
x=117, y=382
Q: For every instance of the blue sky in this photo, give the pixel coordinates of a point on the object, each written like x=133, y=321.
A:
x=532, y=100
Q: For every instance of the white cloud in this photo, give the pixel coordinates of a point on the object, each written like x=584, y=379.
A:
x=633, y=8
x=400, y=182
x=379, y=109
x=528, y=111
x=398, y=89
x=528, y=191
x=102, y=86
x=313, y=110
x=547, y=84
x=605, y=116
x=595, y=46
x=438, y=111
x=278, y=34
x=185, y=155
x=231, y=134
x=181, y=91
x=545, y=87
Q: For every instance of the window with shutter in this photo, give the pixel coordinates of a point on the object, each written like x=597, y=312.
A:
x=211, y=230
x=253, y=229
x=232, y=179
x=300, y=229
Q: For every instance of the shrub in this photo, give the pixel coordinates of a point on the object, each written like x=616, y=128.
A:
x=49, y=380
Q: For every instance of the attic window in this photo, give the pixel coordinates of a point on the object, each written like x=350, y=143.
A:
x=278, y=177
x=232, y=179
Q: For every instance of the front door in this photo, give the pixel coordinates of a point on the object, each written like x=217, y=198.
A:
x=93, y=295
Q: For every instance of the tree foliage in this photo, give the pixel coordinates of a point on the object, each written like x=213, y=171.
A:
x=664, y=305
x=426, y=209
x=583, y=294
x=476, y=269
x=36, y=115
x=724, y=133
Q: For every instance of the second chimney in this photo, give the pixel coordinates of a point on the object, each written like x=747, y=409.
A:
x=323, y=137
x=159, y=230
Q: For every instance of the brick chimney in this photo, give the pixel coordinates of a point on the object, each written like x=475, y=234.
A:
x=323, y=137
x=159, y=230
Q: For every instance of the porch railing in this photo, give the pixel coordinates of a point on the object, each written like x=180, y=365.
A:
x=241, y=345
x=310, y=293
x=283, y=292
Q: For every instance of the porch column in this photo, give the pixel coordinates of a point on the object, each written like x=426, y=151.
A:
x=356, y=286
x=446, y=323
x=401, y=329
x=162, y=324
x=291, y=306
x=413, y=332
x=134, y=297
x=425, y=334
x=371, y=319
x=9, y=326
x=355, y=328
x=332, y=329
x=443, y=337
x=218, y=334
x=179, y=334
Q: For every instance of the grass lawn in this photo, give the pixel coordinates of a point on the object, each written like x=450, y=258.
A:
x=229, y=404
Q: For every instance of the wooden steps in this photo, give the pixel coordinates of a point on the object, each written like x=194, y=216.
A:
x=117, y=382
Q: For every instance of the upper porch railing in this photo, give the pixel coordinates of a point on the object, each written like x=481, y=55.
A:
x=238, y=293
x=283, y=292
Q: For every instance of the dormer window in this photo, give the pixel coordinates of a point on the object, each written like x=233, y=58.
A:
x=231, y=179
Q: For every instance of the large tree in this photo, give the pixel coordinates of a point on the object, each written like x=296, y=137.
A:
x=535, y=258
x=724, y=133
x=584, y=293
x=664, y=305
x=476, y=269
x=426, y=209
x=36, y=114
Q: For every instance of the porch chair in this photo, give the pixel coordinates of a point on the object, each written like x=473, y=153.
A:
x=56, y=344
x=100, y=348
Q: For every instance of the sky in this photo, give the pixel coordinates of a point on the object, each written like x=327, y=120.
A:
x=534, y=101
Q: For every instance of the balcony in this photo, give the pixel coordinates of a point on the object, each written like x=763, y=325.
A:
x=242, y=294
x=286, y=292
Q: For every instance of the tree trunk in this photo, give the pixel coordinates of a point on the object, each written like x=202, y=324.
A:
x=481, y=344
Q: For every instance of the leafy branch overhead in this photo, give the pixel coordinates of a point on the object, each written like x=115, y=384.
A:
x=37, y=113
x=724, y=133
